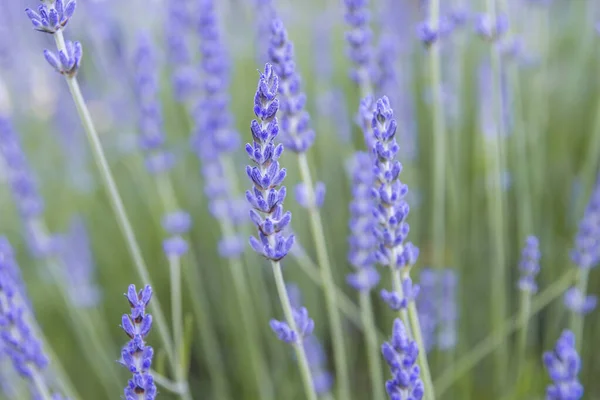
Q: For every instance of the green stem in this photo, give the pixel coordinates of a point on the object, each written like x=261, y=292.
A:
x=577, y=319
x=335, y=321
x=490, y=343
x=177, y=317
x=298, y=346
x=40, y=384
x=116, y=202
x=524, y=311
x=373, y=352
x=438, y=191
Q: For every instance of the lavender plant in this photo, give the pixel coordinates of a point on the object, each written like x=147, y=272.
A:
x=266, y=199
x=563, y=365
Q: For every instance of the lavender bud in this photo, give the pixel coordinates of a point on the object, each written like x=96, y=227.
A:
x=137, y=355
x=577, y=302
x=394, y=300
x=400, y=353
x=587, y=242
x=68, y=60
x=529, y=265
x=51, y=20
x=177, y=222
x=304, y=324
x=303, y=197
x=175, y=246
x=563, y=365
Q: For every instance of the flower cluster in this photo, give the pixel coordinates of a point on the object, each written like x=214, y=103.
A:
x=400, y=354
x=304, y=327
x=150, y=122
x=563, y=365
x=137, y=355
x=68, y=60
x=51, y=20
x=17, y=337
x=395, y=301
x=578, y=302
x=529, y=265
x=491, y=29
x=586, y=253
x=295, y=121
x=265, y=197
x=361, y=242
x=359, y=38
x=391, y=209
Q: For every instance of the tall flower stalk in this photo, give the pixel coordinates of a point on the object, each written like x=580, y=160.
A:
x=360, y=49
x=266, y=199
x=530, y=267
x=52, y=18
x=298, y=137
x=391, y=229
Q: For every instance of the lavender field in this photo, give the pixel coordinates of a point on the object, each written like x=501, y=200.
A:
x=317, y=199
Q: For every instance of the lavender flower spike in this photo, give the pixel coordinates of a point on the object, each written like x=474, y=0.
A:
x=54, y=18
x=68, y=61
x=563, y=365
x=265, y=198
x=17, y=338
x=400, y=353
x=359, y=43
x=390, y=208
x=136, y=355
x=297, y=135
x=530, y=265
x=586, y=253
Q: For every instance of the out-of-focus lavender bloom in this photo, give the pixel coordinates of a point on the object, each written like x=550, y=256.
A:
x=332, y=104
x=427, y=306
x=265, y=197
x=359, y=38
x=563, y=365
x=529, y=265
x=175, y=246
x=317, y=358
x=393, y=299
x=578, y=302
x=459, y=16
x=361, y=241
x=448, y=311
x=214, y=135
x=265, y=13
x=303, y=195
x=24, y=190
x=79, y=266
x=177, y=222
x=297, y=135
x=150, y=122
x=137, y=355
x=586, y=253
x=304, y=324
x=178, y=21
x=17, y=337
x=391, y=209
x=68, y=61
x=400, y=353
x=491, y=29
x=54, y=18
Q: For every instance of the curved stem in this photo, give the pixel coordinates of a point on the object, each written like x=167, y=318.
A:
x=373, y=352
x=298, y=346
x=577, y=319
x=490, y=343
x=116, y=202
x=335, y=321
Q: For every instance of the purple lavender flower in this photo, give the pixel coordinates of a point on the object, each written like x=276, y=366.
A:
x=578, y=302
x=304, y=324
x=390, y=209
x=77, y=258
x=427, y=306
x=427, y=34
x=400, y=354
x=68, y=61
x=587, y=241
x=265, y=13
x=563, y=365
x=359, y=38
x=295, y=121
x=448, y=311
x=491, y=29
x=397, y=303
x=265, y=197
x=54, y=18
x=317, y=358
x=362, y=241
x=137, y=355
x=529, y=265
x=17, y=337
